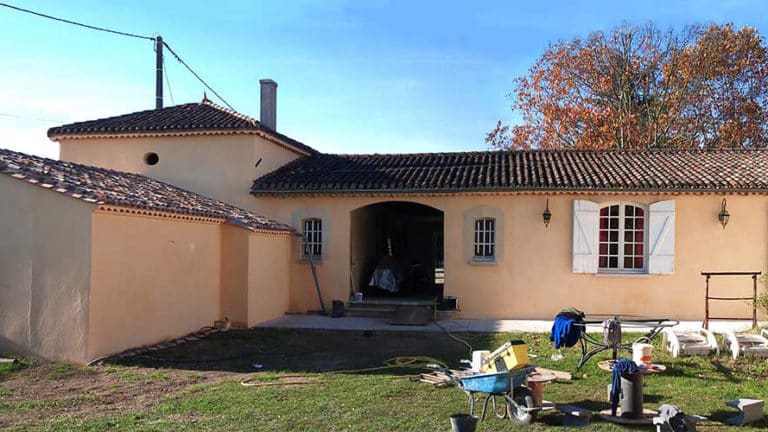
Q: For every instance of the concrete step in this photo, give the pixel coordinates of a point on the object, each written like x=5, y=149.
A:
x=384, y=308
x=369, y=311
x=367, y=305
x=387, y=302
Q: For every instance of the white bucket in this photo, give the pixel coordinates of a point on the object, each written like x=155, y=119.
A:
x=641, y=353
x=477, y=359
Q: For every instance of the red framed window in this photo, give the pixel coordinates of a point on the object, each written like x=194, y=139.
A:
x=622, y=238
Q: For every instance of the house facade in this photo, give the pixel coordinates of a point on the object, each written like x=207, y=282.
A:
x=630, y=231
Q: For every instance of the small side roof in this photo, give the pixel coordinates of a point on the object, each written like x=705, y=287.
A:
x=108, y=187
x=204, y=118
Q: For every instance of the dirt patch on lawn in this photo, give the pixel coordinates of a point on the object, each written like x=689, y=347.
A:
x=47, y=392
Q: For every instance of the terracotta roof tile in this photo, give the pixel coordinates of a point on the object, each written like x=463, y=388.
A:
x=108, y=187
x=201, y=117
x=534, y=170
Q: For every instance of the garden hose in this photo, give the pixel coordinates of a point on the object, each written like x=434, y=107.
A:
x=404, y=362
x=456, y=338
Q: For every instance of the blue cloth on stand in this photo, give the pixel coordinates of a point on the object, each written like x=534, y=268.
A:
x=621, y=366
x=564, y=332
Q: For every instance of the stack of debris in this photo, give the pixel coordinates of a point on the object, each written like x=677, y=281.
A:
x=440, y=379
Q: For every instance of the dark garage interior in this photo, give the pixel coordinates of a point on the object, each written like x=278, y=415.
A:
x=397, y=251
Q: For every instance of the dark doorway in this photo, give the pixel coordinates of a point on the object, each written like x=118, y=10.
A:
x=397, y=250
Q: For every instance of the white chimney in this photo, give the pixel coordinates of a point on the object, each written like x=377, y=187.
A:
x=269, y=103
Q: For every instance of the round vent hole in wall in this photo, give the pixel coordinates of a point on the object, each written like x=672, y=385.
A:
x=151, y=158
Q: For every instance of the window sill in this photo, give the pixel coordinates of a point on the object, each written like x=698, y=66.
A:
x=482, y=262
x=317, y=260
x=623, y=275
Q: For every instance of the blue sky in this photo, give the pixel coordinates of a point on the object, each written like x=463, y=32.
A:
x=354, y=76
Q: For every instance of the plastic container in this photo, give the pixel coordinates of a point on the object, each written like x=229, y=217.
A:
x=463, y=423
x=337, y=309
x=477, y=359
x=642, y=353
x=450, y=303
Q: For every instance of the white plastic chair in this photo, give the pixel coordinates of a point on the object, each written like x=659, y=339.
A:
x=692, y=342
x=746, y=344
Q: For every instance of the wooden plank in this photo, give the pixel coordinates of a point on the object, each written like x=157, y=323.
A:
x=431, y=378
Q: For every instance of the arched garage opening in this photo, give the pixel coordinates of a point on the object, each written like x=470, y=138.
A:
x=397, y=250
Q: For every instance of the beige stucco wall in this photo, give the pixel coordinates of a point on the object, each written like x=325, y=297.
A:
x=534, y=278
x=234, y=274
x=44, y=272
x=218, y=166
x=268, y=276
x=255, y=275
x=152, y=279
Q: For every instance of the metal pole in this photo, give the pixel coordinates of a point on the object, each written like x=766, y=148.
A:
x=754, y=301
x=311, y=258
x=158, y=72
x=706, y=305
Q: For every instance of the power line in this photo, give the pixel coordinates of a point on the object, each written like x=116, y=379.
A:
x=44, y=120
x=197, y=76
x=76, y=23
x=168, y=82
x=129, y=35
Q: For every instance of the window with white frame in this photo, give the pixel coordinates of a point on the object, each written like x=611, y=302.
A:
x=622, y=239
x=485, y=239
x=312, y=246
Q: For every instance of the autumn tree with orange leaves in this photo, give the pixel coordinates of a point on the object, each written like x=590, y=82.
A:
x=639, y=87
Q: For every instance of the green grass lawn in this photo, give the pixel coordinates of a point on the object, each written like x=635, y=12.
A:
x=197, y=386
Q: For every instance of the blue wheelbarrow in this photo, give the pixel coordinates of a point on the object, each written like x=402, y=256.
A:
x=506, y=391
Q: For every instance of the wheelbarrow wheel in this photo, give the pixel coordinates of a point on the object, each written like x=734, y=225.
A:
x=522, y=398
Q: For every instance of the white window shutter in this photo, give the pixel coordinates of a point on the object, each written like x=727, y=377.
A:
x=585, y=235
x=661, y=238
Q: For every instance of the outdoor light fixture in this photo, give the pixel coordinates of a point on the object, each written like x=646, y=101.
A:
x=547, y=215
x=723, y=216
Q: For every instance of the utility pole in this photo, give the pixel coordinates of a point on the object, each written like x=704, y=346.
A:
x=159, y=72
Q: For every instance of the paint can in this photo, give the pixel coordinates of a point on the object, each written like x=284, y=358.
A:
x=477, y=359
x=642, y=353
x=463, y=423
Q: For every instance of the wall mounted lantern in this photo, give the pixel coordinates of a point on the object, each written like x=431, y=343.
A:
x=724, y=215
x=547, y=215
